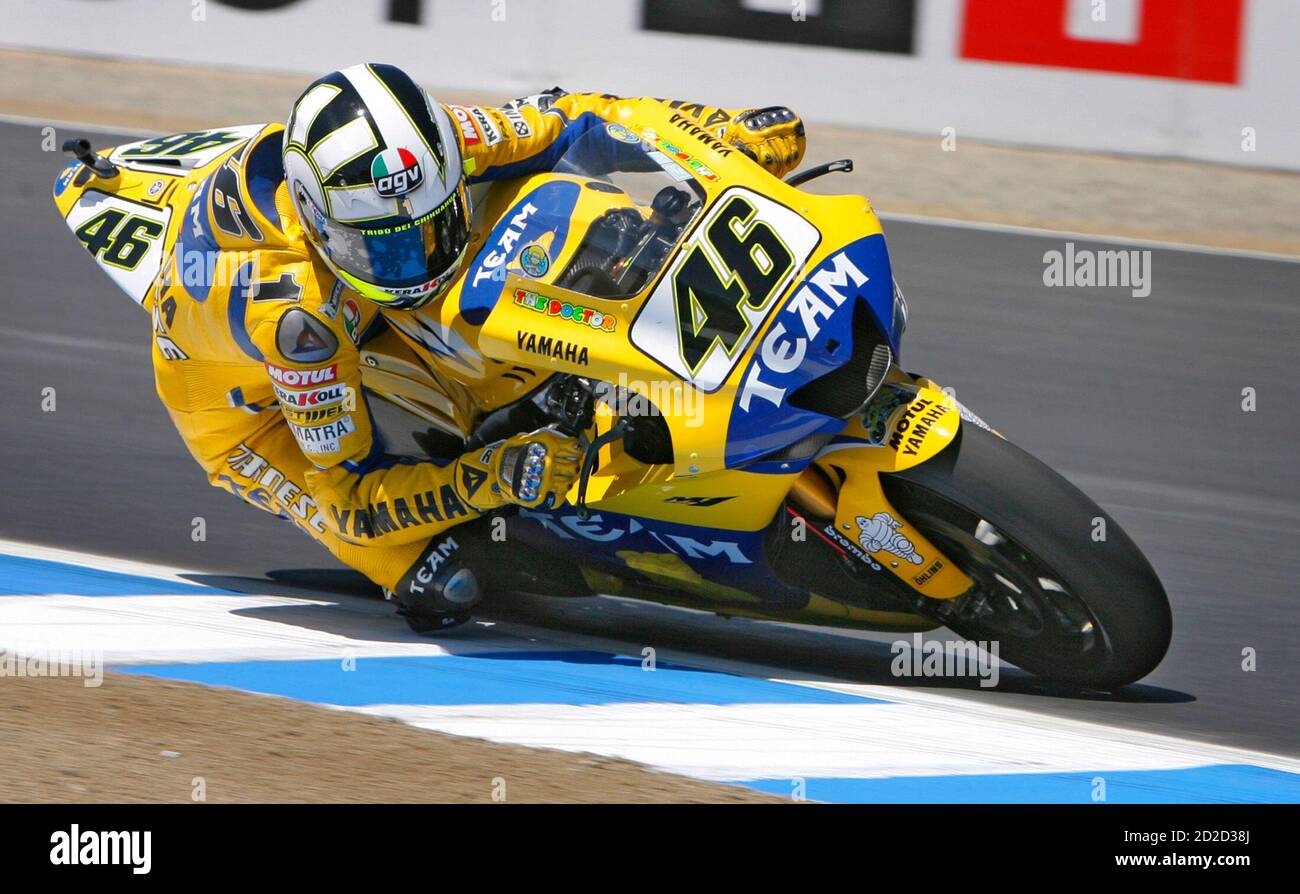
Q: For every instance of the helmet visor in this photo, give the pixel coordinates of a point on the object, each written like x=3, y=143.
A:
x=404, y=265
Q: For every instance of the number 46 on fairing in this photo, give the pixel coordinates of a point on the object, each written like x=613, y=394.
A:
x=704, y=313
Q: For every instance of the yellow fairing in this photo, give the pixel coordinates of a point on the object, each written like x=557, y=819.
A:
x=914, y=432
x=698, y=489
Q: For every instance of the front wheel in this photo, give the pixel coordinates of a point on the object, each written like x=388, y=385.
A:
x=1060, y=588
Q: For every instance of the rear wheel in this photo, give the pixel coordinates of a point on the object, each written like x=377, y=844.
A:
x=1060, y=587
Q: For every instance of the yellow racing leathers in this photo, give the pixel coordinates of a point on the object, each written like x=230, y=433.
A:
x=529, y=135
x=239, y=268
x=256, y=342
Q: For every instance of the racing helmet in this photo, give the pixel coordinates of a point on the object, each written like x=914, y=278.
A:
x=374, y=171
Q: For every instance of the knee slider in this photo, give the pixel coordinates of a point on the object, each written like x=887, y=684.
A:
x=439, y=583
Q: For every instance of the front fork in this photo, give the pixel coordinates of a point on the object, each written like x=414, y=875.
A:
x=909, y=421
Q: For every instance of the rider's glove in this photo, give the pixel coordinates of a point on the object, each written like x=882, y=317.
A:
x=773, y=137
x=533, y=470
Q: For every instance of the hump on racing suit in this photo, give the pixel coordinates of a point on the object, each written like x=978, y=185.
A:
x=252, y=330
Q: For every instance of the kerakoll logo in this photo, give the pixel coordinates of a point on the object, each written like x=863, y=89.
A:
x=78, y=848
x=315, y=398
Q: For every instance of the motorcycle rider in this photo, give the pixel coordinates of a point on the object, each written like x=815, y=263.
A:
x=363, y=195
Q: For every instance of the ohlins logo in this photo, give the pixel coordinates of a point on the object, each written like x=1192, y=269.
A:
x=395, y=172
x=553, y=307
x=914, y=425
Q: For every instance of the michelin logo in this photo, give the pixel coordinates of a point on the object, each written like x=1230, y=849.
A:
x=880, y=534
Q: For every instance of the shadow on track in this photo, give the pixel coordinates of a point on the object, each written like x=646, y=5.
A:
x=797, y=653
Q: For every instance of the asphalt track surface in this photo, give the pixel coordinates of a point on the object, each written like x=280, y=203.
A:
x=1136, y=400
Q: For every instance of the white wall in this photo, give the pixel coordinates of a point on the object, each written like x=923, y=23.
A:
x=597, y=45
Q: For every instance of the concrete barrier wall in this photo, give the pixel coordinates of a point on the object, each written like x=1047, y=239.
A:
x=1213, y=80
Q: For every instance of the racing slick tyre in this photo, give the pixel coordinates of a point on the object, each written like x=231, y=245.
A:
x=1060, y=587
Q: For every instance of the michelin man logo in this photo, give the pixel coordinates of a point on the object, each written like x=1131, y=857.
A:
x=880, y=533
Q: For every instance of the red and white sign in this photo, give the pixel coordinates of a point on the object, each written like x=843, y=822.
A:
x=1192, y=40
x=1212, y=80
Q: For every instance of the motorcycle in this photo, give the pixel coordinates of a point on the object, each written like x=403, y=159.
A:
x=727, y=348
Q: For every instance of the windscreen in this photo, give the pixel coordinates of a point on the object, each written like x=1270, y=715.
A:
x=653, y=199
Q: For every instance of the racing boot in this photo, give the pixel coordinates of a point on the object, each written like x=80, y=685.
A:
x=442, y=588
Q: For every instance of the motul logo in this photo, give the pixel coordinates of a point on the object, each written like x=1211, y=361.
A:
x=298, y=377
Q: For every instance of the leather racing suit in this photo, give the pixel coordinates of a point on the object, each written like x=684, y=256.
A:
x=257, y=352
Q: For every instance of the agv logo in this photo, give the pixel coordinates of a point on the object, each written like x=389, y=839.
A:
x=395, y=172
